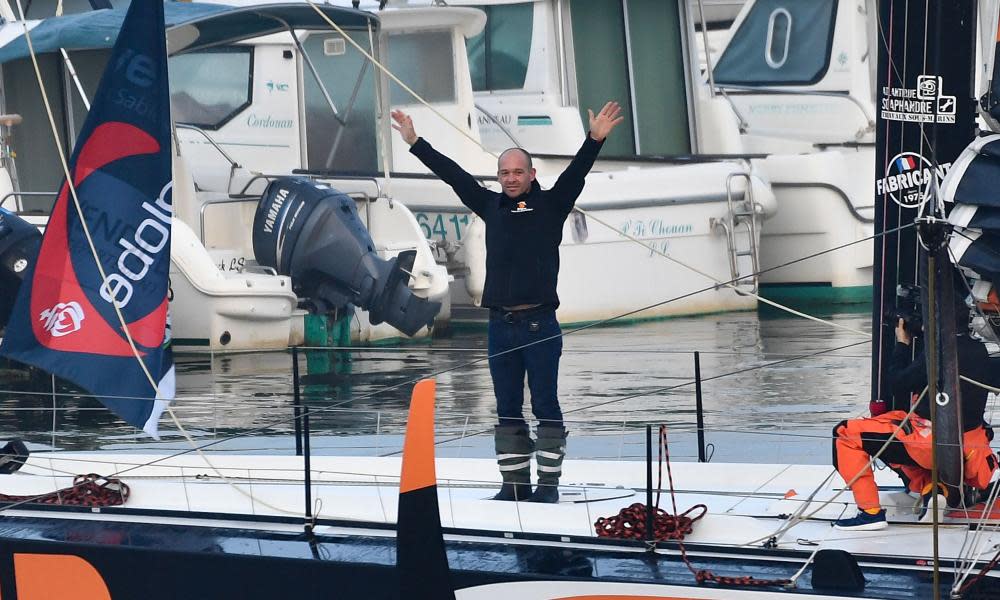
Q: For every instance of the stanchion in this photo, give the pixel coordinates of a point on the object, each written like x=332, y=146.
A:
x=649, y=485
x=308, y=470
x=699, y=410
x=296, y=401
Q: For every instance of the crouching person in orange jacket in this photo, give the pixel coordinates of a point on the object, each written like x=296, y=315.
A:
x=909, y=454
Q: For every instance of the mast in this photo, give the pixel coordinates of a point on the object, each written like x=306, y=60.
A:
x=925, y=97
x=926, y=118
x=937, y=273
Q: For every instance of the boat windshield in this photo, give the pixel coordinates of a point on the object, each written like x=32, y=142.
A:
x=210, y=87
x=424, y=61
x=498, y=57
x=340, y=107
x=781, y=42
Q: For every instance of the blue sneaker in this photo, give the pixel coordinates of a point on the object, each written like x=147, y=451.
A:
x=863, y=522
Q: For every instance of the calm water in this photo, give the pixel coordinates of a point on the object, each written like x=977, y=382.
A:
x=612, y=381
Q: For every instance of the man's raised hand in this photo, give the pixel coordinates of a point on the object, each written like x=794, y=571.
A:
x=404, y=125
x=605, y=121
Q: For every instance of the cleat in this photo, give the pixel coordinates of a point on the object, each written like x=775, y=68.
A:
x=863, y=522
x=13, y=456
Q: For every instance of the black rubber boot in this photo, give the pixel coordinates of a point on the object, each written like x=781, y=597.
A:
x=514, y=448
x=12, y=456
x=550, y=449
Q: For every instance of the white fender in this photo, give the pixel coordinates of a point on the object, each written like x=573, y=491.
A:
x=475, y=259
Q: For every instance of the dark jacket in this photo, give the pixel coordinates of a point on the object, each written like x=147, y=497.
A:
x=908, y=375
x=522, y=234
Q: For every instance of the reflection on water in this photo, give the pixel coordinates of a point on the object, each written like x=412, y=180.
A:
x=611, y=377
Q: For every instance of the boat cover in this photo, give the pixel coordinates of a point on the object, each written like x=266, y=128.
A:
x=971, y=185
x=190, y=26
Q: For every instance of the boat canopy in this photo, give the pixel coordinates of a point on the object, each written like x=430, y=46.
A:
x=190, y=26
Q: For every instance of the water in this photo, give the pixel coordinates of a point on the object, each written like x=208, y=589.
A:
x=759, y=404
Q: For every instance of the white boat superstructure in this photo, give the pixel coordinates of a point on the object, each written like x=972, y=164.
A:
x=807, y=100
x=809, y=139
x=242, y=119
x=706, y=215
x=702, y=212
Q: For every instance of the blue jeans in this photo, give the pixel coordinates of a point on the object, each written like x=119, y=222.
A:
x=539, y=361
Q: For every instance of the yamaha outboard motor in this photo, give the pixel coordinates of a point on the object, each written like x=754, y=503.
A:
x=312, y=232
x=19, y=245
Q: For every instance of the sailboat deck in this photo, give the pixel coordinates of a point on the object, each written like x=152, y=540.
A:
x=182, y=504
x=747, y=503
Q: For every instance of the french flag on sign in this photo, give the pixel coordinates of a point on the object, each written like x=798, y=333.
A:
x=906, y=163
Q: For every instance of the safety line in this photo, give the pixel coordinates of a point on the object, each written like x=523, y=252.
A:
x=620, y=232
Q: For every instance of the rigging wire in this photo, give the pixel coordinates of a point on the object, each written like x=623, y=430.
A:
x=613, y=319
x=170, y=412
x=963, y=568
x=795, y=518
x=198, y=449
x=732, y=284
x=76, y=201
x=71, y=186
x=628, y=397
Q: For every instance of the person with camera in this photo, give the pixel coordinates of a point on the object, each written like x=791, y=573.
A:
x=524, y=226
x=909, y=454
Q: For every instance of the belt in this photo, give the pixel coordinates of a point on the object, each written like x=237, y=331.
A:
x=514, y=316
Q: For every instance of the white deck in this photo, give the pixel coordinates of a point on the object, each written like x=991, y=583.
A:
x=744, y=500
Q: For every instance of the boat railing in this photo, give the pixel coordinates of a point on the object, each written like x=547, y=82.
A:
x=17, y=195
x=665, y=159
x=244, y=196
x=320, y=418
x=836, y=191
x=233, y=165
x=379, y=426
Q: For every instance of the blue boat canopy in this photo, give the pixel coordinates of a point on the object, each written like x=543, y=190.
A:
x=190, y=26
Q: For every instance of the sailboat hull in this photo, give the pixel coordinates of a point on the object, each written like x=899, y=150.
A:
x=165, y=556
x=244, y=538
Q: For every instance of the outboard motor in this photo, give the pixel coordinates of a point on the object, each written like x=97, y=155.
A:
x=20, y=242
x=312, y=232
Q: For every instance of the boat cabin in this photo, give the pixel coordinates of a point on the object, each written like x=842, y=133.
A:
x=539, y=65
x=801, y=73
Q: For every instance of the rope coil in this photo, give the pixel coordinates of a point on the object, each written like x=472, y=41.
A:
x=630, y=523
x=90, y=490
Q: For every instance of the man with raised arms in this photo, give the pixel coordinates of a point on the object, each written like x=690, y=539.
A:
x=524, y=225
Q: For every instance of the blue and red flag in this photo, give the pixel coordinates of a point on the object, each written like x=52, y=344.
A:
x=64, y=319
x=906, y=163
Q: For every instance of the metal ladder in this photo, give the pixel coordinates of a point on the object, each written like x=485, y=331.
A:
x=740, y=229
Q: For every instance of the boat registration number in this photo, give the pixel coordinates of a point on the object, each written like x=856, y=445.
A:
x=443, y=226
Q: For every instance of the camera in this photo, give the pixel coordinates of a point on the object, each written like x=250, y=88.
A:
x=907, y=308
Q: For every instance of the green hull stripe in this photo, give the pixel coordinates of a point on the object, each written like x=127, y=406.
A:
x=816, y=293
x=530, y=121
